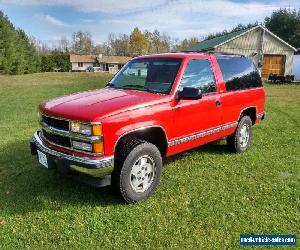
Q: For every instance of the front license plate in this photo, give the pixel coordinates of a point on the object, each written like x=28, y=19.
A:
x=42, y=159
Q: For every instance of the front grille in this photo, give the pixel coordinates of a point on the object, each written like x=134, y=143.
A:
x=57, y=139
x=56, y=123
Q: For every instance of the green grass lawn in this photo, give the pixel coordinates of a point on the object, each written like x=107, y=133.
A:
x=206, y=199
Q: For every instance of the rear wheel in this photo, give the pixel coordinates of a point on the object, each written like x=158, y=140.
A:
x=241, y=140
x=137, y=171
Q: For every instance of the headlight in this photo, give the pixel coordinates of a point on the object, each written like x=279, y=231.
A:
x=78, y=127
x=96, y=147
x=86, y=129
x=82, y=146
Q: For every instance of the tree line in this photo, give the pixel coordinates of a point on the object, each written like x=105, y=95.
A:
x=134, y=44
x=18, y=55
x=21, y=54
x=82, y=43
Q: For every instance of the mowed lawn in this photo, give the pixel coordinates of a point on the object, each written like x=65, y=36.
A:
x=206, y=199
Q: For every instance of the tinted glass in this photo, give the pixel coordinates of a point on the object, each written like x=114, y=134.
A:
x=148, y=74
x=239, y=73
x=198, y=74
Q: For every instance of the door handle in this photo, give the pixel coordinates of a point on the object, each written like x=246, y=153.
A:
x=218, y=103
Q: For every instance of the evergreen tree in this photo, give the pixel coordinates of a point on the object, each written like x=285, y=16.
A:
x=55, y=61
x=285, y=23
x=7, y=46
x=17, y=53
x=239, y=27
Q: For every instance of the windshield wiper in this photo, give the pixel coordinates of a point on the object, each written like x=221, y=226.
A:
x=142, y=88
x=132, y=86
x=110, y=84
x=139, y=87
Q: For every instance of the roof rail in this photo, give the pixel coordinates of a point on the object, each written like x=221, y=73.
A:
x=192, y=51
x=224, y=53
x=213, y=52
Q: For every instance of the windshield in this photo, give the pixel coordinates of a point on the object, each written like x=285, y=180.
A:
x=148, y=74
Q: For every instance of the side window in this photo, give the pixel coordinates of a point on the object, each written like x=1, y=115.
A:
x=239, y=73
x=198, y=74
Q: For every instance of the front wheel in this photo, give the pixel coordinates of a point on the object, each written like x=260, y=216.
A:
x=241, y=140
x=138, y=170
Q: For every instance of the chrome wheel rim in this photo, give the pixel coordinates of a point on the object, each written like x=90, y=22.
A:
x=244, y=135
x=142, y=174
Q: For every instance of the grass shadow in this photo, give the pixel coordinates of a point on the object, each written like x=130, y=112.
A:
x=28, y=187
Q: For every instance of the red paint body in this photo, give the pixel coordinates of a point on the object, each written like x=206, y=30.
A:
x=124, y=111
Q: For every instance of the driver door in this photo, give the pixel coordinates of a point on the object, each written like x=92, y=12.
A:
x=195, y=116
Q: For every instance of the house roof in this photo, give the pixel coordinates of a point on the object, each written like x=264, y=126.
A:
x=211, y=44
x=99, y=58
x=113, y=59
x=82, y=58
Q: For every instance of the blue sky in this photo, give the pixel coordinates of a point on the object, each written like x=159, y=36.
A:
x=49, y=20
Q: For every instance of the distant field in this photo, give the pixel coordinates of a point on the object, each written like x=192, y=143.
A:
x=206, y=199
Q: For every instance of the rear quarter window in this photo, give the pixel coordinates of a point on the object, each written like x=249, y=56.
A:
x=239, y=73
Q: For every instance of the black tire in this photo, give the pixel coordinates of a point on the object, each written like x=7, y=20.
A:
x=125, y=160
x=234, y=141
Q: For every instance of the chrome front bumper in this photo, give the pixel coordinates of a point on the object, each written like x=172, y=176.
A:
x=68, y=163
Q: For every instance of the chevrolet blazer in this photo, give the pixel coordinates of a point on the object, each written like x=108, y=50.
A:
x=154, y=107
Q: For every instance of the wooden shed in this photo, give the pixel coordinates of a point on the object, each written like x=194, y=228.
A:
x=269, y=52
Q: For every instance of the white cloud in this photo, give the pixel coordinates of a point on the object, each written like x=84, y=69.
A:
x=104, y=6
x=185, y=18
x=221, y=7
x=178, y=18
x=50, y=19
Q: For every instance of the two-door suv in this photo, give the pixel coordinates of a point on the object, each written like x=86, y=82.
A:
x=154, y=107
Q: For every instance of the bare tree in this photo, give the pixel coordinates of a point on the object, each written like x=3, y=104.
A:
x=41, y=47
x=97, y=49
x=121, y=45
x=64, y=44
x=82, y=43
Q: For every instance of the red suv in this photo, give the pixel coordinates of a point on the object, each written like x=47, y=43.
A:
x=154, y=107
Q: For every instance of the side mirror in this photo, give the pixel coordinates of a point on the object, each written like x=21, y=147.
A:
x=189, y=93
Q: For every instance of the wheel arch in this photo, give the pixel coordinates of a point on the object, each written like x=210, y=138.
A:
x=249, y=111
x=154, y=134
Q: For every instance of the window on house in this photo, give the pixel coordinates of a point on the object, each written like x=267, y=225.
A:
x=198, y=74
x=80, y=64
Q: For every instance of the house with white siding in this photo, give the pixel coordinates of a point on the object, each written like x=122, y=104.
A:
x=271, y=54
x=99, y=63
x=82, y=62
